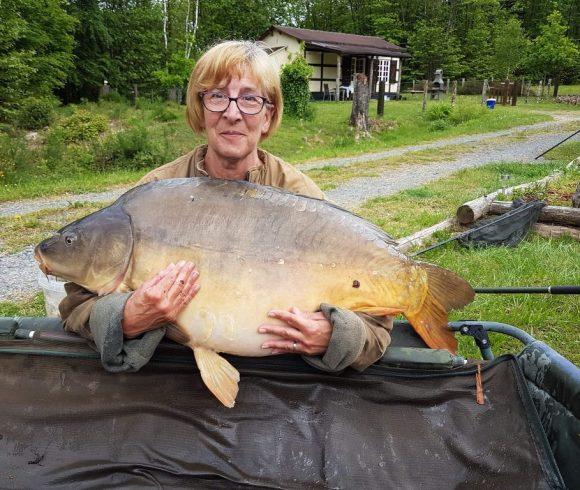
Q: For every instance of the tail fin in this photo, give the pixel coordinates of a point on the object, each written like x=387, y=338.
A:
x=446, y=291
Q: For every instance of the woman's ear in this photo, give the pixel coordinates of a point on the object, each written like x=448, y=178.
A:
x=267, y=119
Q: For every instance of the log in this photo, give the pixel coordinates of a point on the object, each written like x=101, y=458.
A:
x=473, y=210
x=555, y=231
x=549, y=214
x=422, y=236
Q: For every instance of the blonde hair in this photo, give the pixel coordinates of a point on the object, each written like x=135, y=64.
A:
x=234, y=59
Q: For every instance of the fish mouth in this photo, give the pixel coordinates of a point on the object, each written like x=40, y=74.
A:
x=41, y=263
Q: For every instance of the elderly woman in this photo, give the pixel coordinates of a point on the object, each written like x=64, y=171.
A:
x=234, y=98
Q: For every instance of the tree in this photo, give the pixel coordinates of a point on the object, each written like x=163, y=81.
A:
x=508, y=45
x=35, y=50
x=552, y=53
x=431, y=47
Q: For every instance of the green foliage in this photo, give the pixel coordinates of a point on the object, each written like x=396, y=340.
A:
x=508, y=45
x=441, y=110
x=163, y=113
x=15, y=158
x=83, y=125
x=552, y=52
x=176, y=72
x=35, y=50
x=295, y=88
x=132, y=148
x=35, y=113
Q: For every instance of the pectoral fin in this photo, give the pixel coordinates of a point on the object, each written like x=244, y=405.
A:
x=378, y=310
x=218, y=374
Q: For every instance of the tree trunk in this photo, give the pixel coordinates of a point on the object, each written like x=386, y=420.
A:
x=556, y=85
x=550, y=214
x=359, y=117
x=555, y=231
x=425, y=90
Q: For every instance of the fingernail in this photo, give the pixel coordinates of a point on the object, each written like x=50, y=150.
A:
x=262, y=330
x=265, y=346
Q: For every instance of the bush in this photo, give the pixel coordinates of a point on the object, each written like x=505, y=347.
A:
x=35, y=113
x=295, y=88
x=132, y=148
x=15, y=158
x=82, y=126
x=439, y=125
x=439, y=111
x=464, y=113
x=164, y=113
x=114, y=96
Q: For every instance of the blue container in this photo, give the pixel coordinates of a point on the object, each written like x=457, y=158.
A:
x=490, y=103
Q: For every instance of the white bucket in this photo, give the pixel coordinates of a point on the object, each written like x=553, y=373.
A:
x=54, y=292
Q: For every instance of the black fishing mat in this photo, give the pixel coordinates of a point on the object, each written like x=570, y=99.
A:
x=65, y=423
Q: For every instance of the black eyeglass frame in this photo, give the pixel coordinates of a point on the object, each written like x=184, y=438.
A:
x=264, y=100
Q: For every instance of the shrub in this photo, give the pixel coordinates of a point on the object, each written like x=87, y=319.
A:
x=15, y=158
x=295, y=88
x=114, y=96
x=464, y=113
x=438, y=111
x=35, y=113
x=439, y=125
x=164, y=113
x=132, y=148
x=82, y=126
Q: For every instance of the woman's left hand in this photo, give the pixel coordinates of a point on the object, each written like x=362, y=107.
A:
x=303, y=333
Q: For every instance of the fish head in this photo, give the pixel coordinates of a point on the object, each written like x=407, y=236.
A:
x=94, y=251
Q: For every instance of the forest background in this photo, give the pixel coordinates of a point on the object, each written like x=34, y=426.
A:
x=69, y=48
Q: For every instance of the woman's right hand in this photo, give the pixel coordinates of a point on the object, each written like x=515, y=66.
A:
x=160, y=299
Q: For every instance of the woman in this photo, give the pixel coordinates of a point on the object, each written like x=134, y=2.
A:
x=234, y=98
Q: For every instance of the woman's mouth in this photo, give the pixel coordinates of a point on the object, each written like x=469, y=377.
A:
x=232, y=134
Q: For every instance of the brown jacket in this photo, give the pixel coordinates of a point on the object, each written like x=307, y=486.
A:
x=368, y=338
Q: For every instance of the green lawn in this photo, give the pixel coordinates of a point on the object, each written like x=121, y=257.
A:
x=535, y=262
x=155, y=133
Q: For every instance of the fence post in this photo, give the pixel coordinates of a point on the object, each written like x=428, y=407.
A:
x=413, y=89
x=523, y=86
x=515, y=93
x=453, y=92
x=528, y=90
x=381, y=99
x=447, y=87
x=548, y=86
x=462, y=82
x=425, y=89
x=540, y=91
x=484, y=91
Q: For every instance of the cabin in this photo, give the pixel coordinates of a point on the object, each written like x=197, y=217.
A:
x=335, y=58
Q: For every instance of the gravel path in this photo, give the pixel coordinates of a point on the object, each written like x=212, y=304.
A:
x=356, y=191
x=18, y=272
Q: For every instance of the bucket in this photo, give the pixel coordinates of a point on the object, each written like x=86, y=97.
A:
x=54, y=292
x=490, y=103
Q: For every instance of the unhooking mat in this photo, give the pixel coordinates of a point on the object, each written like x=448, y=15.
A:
x=65, y=423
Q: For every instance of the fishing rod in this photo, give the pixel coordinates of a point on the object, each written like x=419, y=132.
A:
x=530, y=290
x=557, y=144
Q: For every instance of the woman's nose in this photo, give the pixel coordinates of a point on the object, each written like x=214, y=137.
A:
x=232, y=111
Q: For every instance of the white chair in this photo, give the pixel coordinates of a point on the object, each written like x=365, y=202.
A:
x=328, y=92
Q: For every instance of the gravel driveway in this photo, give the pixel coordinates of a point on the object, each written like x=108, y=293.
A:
x=18, y=272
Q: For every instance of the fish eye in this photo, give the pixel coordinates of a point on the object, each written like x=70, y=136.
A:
x=69, y=239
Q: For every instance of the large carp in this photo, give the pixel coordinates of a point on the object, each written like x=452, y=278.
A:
x=257, y=248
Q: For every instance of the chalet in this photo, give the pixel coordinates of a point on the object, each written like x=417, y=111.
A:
x=335, y=58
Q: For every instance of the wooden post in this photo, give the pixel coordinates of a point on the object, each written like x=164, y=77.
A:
x=515, y=90
x=453, y=92
x=371, y=84
x=447, y=87
x=462, y=82
x=484, y=90
x=135, y=94
x=381, y=100
x=425, y=89
x=540, y=91
x=413, y=89
x=548, y=85
x=338, y=75
x=359, y=117
x=528, y=90
x=523, y=86
x=542, y=87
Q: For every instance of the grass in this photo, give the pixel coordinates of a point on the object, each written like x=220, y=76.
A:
x=566, y=152
x=535, y=262
x=569, y=90
x=17, y=232
x=30, y=307
x=41, y=171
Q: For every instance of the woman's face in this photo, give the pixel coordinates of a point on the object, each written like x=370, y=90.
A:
x=232, y=134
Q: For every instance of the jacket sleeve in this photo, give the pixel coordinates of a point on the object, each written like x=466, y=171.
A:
x=358, y=340
x=100, y=319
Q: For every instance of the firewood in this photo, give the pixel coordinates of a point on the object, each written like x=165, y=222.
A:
x=549, y=214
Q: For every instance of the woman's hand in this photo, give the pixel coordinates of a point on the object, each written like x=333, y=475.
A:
x=160, y=299
x=303, y=333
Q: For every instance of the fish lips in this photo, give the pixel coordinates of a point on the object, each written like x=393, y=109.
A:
x=43, y=246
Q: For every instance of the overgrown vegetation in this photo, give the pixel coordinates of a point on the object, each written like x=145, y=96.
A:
x=295, y=77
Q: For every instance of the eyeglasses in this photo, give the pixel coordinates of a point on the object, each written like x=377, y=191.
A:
x=219, y=102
